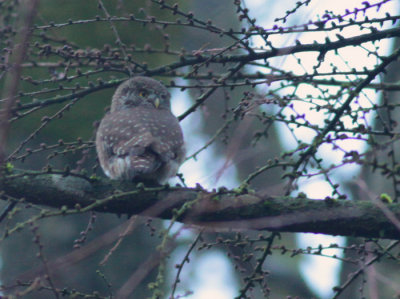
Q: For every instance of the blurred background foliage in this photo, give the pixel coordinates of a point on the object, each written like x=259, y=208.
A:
x=79, y=121
x=19, y=258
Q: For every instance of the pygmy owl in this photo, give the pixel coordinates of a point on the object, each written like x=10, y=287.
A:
x=140, y=138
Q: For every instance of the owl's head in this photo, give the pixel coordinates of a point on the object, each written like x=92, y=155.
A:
x=143, y=92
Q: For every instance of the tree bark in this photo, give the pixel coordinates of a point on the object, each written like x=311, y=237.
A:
x=220, y=210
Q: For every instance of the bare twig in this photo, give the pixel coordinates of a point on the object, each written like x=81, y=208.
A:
x=27, y=15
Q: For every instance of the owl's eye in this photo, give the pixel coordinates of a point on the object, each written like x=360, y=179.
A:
x=143, y=93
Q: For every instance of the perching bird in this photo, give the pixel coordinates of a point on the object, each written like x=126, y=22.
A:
x=140, y=138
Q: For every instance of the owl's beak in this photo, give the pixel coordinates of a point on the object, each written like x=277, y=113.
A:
x=157, y=102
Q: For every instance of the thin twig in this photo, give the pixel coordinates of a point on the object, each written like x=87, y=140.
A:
x=184, y=260
x=27, y=13
x=119, y=41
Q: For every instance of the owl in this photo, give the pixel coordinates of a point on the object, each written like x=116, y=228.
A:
x=139, y=138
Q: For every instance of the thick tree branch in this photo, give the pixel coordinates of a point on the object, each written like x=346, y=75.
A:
x=220, y=210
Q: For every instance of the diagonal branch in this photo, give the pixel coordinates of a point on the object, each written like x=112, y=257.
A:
x=340, y=112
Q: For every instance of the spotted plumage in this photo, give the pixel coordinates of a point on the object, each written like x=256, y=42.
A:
x=140, y=139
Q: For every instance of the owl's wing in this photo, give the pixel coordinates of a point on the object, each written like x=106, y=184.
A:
x=167, y=139
x=130, y=157
x=134, y=146
x=163, y=148
x=144, y=144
